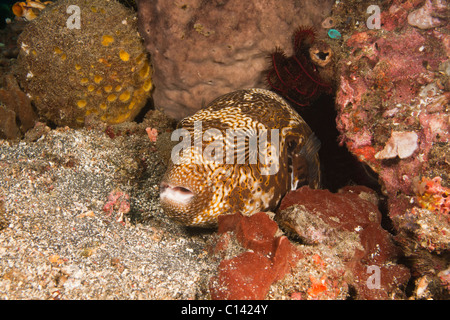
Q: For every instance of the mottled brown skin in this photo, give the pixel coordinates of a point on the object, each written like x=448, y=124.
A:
x=195, y=194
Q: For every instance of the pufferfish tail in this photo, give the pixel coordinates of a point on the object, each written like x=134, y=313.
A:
x=307, y=156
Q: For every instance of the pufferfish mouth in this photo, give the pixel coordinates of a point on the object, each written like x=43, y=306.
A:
x=175, y=193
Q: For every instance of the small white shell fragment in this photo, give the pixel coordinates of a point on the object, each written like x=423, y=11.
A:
x=401, y=144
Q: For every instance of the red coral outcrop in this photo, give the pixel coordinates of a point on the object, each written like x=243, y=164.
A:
x=250, y=274
x=349, y=222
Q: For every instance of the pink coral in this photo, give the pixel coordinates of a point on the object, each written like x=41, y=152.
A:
x=423, y=17
x=152, y=134
x=118, y=201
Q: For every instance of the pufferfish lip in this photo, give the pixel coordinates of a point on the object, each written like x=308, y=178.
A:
x=175, y=193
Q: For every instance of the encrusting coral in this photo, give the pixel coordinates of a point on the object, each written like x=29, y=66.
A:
x=393, y=102
x=81, y=58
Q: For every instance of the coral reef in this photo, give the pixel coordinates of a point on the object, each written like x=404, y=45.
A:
x=86, y=63
x=392, y=82
x=204, y=49
x=344, y=251
x=393, y=114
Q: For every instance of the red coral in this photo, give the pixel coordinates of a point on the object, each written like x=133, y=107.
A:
x=296, y=78
x=318, y=287
x=250, y=274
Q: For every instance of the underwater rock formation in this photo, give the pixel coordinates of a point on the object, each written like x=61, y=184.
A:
x=267, y=256
x=16, y=113
x=350, y=223
x=393, y=114
x=81, y=58
x=343, y=249
x=202, y=49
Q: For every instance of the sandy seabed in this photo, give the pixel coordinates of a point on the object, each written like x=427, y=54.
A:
x=57, y=241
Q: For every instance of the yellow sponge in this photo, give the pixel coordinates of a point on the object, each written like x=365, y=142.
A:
x=96, y=67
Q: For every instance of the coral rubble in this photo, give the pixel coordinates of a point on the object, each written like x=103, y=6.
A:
x=88, y=60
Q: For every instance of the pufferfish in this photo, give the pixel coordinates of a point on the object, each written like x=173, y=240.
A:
x=241, y=153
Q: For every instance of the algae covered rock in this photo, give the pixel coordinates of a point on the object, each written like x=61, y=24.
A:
x=81, y=58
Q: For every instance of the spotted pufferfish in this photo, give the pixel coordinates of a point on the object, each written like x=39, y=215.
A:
x=203, y=181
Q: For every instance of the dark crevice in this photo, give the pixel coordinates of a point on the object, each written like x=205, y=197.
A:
x=147, y=107
x=339, y=167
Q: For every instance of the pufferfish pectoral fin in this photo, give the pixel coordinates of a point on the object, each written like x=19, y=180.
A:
x=306, y=164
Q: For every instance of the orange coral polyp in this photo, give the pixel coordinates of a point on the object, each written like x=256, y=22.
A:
x=29, y=9
x=18, y=9
x=433, y=196
x=317, y=286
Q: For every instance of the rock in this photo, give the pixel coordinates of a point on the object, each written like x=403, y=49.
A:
x=342, y=246
x=349, y=224
x=424, y=18
x=8, y=126
x=401, y=144
x=266, y=258
x=18, y=115
x=201, y=50
x=319, y=216
x=393, y=103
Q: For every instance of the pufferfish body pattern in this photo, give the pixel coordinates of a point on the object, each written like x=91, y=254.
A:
x=216, y=172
